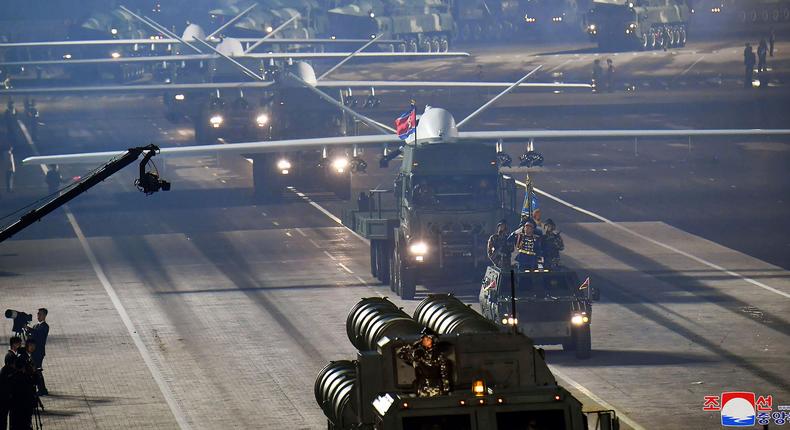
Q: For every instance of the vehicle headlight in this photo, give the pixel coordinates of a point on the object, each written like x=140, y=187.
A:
x=216, y=121
x=284, y=166
x=179, y=97
x=262, y=119
x=340, y=164
x=115, y=55
x=419, y=248
x=67, y=56
x=579, y=319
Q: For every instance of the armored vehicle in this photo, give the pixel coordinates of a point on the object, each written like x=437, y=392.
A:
x=727, y=15
x=644, y=24
x=490, y=379
x=486, y=21
x=421, y=25
x=448, y=198
x=555, y=18
x=551, y=306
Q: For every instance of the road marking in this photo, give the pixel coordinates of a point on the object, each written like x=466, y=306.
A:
x=560, y=65
x=314, y=243
x=288, y=233
x=330, y=215
x=181, y=419
x=127, y=321
x=623, y=417
x=330, y=255
x=299, y=230
x=276, y=224
x=346, y=268
x=691, y=66
x=661, y=244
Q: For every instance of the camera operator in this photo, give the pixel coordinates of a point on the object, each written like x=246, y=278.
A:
x=13, y=352
x=39, y=334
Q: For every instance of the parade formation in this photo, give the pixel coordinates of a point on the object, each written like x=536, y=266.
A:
x=470, y=177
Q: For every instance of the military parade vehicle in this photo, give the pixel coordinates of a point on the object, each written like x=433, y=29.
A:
x=741, y=14
x=447, y=199
x=643, y=24
x=420, y=25
x=550, y=306
x=485, y=21
x=446, y=368
x=555, y=18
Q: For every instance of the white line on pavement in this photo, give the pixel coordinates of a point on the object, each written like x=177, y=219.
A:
x=345, y=268
x=116, y=301
x=623, y=417
x=661, y=244
x=329, y=255
x=691, y=66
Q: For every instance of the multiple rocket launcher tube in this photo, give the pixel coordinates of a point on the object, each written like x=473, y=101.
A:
x=373, y=319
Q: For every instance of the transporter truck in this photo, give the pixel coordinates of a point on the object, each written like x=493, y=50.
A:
x=447, y=200
x=490, y=378
x=642, y=24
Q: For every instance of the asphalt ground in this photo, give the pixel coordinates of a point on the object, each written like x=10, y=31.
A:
x=233, y=307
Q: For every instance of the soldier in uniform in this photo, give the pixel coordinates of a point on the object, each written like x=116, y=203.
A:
x=596, y=74
x=552, y=245
x=500, y=246
x=748, y=61
x=528, y=246
x=431, y=367
x=762, y=54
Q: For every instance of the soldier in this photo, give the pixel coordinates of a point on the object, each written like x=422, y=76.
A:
x=9, y=166
x=748, y=62
x=596, y=74
x=552, y=245
x=39, y=334
x=431, y=367
x=31, y=111
x=10, y=121
x=5, y=393
x=23, y=396
x=762, y=53
x=771, y=41
x=500, y=247
x=609, y=75
x=528, y=246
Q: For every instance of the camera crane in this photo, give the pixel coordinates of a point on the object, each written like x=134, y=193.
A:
x=148, y=182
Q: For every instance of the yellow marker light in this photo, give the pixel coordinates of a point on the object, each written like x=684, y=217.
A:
x=462, y=403
x=585, y=319
x=479, y=388
x=557, y=397
x=500, y=400
x=405, y=405
x=482, y=401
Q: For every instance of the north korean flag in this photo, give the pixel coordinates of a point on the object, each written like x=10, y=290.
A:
x=406, y=124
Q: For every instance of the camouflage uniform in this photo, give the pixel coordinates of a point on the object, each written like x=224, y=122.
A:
x=430, y=367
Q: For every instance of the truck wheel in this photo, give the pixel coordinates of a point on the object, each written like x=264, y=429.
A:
x=569, y=344
x=406, y=283
x=583, y=342
x=444, y=44
x=435, y=45
x=683, y=36
x=393, y=281
x=384, y=261
x=645, y=42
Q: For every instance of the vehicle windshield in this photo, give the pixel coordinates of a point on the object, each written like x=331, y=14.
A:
x=454, y=191
x=544, y=285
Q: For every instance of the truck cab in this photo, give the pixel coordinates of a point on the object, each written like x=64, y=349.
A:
x=447, y=200
x=552, y=306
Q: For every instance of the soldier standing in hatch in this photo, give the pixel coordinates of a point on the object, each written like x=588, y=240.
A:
x=748, y=62
x=528, y=246
x=431, y=367
x=500, y=246
x=552, y=245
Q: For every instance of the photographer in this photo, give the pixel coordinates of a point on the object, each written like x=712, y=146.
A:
x=13, y=351
x=5, y=392
x=39, y=334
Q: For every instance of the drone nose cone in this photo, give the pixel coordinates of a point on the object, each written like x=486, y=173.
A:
x=305, y=72
x=436, y=124
x=230, y=47
x=193, y=32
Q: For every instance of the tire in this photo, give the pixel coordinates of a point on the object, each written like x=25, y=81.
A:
x=383, y=261
x=583, y=342
x=412, y=46
x=444, y=44
x=645, y=42
x=652, y=40
x=393, y=278
x=683, y=36
x=435, y=44
x=406, y=285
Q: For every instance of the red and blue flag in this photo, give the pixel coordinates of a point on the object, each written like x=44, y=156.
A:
x=406, y=124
